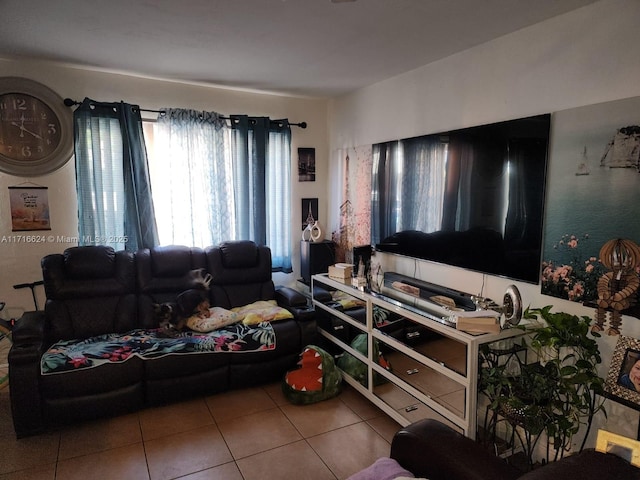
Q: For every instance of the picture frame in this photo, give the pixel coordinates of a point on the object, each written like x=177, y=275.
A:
x=622, y=375
x=29, y=208
x=623, y=447
x=306, y=164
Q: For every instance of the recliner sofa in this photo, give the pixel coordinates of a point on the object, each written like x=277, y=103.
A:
x=430, y=449
x=92, y=291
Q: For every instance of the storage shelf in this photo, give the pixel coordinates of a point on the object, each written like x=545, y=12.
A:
x=436, y=366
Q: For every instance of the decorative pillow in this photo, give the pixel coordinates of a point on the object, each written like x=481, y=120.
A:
x=262, y=311
x=384, y=468
x=219, y=318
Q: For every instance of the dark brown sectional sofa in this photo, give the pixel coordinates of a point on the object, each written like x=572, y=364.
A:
x=94, y=291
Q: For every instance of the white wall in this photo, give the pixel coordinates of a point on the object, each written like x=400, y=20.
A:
x=580, y=58
x=20, y=262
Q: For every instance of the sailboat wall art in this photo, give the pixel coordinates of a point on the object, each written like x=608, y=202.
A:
x=583, y=164
x=592, y=195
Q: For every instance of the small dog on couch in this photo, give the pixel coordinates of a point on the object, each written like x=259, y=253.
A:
x=166, y=314
x=172, y=316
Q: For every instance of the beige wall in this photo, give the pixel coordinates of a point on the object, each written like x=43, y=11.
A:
x=20, y=262
x=577, y=59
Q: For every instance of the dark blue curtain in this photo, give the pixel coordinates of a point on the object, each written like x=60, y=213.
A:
x=262, y=178
x=112, y=177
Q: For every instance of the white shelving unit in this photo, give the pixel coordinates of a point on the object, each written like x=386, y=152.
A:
x=434, y=367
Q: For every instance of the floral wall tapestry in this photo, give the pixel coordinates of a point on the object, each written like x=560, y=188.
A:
x=593, y=194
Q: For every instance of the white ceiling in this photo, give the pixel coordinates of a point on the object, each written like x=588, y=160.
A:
x=299, y=47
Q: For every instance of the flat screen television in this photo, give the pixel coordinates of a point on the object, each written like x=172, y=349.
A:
x=471, y=198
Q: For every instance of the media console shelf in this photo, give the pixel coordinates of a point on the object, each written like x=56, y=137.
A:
x=434, y=367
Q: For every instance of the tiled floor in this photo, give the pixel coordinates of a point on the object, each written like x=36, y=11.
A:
x=243, y=434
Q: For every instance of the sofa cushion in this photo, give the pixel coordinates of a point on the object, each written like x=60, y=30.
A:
x=240, y=273
x=83, y=272
x=240, y=254
x=83, y=382
x=179, y=366
x=98, y=262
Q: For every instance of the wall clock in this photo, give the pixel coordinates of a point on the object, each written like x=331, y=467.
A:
x=36, y=130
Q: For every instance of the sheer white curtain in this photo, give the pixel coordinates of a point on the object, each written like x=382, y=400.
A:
x=191, y=178
x=214, y=181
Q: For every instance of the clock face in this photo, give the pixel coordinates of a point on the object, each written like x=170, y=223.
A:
x=29, y=129
x=36, y=133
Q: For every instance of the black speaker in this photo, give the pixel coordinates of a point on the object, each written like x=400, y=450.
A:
x=362, y=252
x=316, y=257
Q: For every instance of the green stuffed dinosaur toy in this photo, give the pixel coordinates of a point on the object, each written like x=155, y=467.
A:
x=317, y=378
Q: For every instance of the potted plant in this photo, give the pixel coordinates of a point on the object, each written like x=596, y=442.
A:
x=563, y=346
x=559, y=392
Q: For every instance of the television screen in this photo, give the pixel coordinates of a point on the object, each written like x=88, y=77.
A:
x=471, y=198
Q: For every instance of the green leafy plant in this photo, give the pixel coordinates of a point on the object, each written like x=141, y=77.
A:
x=557, y=394
x=570, y=358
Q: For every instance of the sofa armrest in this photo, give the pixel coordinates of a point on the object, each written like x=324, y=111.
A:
x=295, y=302
x=29, y=330
x=24, y=373
x=289, y=297
x=430, y=449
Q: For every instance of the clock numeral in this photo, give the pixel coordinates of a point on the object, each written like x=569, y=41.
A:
x=52, y=129
x=19, y=104
x=26, y=151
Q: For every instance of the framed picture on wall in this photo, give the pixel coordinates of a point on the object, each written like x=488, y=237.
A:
x=307, y=164
x=623, y=380
x=29, y=208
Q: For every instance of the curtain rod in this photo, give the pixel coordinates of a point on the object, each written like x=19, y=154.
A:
x=70, y=103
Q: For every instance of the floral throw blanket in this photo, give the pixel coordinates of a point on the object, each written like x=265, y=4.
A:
x=118, y=347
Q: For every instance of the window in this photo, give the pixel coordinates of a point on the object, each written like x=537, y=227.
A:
x=215, y=179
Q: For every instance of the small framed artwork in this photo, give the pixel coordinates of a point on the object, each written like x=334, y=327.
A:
x=309, y=211
x=29, y=208
x=623, y=379
x=307, y=164
x=624, y=447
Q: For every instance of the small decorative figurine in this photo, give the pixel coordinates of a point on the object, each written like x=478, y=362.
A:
x=617, y=289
